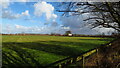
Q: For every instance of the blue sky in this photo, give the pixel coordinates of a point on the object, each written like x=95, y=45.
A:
x=40, y=17
x=30, y=20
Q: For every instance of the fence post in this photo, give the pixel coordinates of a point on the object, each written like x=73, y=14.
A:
x=60, y=66
x=83, y=61
x=71, y=60
x=97, y=57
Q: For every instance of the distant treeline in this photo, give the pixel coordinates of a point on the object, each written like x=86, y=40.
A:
x=74, y=35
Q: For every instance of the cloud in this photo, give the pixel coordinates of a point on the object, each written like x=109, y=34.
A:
x=23, y=0
x=42, y=8
x=77, y=25
x=72, y=21
x=37, y=29
x=25, y=29
x=4, y=3
x=66, y=28
x=50, y=29
x=26, y=13
x=10, y=28
x=20, y=27
x=104, y=30
x=54, y=24
x=9, y=15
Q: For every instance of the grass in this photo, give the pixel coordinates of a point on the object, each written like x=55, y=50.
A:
x=31, y=50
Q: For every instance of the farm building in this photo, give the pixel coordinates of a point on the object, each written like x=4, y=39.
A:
x=70, y=34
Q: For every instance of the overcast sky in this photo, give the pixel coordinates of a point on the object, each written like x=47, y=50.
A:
x=41, y=17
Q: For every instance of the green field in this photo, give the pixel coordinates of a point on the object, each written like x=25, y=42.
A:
x=33, y=50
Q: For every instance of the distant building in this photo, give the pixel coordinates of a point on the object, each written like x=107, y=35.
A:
x=70, y=34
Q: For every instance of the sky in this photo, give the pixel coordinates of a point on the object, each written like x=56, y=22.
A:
x=41, y=18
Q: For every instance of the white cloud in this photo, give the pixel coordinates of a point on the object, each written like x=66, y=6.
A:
x=76, y=25
x=26, y=13
x=26, y=29
x=104, y=30
x=66, y=28
x=50, y=29
x=45, y=8
x=9, y=15
x=36, y=29
x=10, y=28
x=4, y=3
x=23, y=0
x=19, y=27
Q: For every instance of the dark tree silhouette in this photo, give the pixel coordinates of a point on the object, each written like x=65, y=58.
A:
x=67, y=33
x=101, y=14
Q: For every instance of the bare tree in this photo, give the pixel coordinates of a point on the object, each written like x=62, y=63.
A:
x=101, y=14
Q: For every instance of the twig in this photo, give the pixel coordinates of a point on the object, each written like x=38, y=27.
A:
x=117, y=65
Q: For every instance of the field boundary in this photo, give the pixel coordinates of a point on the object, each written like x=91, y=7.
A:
x=103, y=36
x=80, y=57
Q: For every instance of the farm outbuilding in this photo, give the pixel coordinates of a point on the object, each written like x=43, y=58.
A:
x=70, y=34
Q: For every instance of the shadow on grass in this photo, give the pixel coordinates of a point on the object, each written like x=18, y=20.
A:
x=55, y=47
x=97, y=39
x=21, y=59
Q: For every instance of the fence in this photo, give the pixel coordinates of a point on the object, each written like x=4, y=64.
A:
x=80, y=57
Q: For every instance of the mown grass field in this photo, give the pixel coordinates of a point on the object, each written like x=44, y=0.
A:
x=33, y=50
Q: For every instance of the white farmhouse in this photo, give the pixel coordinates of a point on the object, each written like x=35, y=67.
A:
x=69, y=34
